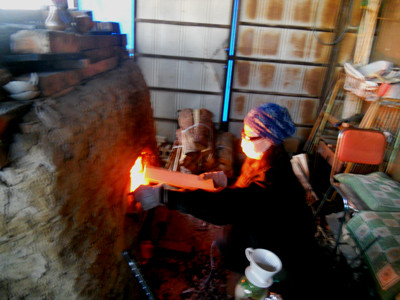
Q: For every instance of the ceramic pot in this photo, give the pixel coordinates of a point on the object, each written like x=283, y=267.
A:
x=264, y=264
x=246, y=290
x=53, y=20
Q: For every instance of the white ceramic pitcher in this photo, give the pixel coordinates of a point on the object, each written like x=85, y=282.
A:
x=264, y=264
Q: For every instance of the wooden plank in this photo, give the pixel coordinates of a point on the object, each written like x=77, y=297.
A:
x=332, y=120
x=362, y=51
x=178, y=179
x=366, y=33
x=326, y=152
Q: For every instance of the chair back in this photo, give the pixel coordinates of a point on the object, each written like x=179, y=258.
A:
x=360, y=146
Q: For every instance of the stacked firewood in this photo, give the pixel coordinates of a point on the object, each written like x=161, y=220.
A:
x=197, y=147
x=225, y=155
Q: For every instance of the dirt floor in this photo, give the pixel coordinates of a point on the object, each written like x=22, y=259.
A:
x=182, y=263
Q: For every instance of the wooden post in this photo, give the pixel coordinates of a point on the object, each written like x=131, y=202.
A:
x=365, y=38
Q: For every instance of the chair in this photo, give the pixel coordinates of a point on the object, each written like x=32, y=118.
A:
x=364, y=147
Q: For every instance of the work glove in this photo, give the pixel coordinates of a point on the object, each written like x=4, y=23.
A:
x=219, y=178
x=149, y=196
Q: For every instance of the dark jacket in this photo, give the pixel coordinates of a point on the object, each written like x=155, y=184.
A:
x=266, y=208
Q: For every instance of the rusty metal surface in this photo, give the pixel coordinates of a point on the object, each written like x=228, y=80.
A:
x=307, y=13
x=279, y=78
x=283, y=44
x=303, y=110
x=279, y=55
x=282, y=57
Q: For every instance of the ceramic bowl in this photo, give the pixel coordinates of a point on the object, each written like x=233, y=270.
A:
x=25, y=95
x=16, y=87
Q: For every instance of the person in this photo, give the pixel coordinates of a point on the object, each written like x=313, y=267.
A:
x=264, y=208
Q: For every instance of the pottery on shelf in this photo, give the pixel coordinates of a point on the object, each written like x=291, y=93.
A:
x=53, y=20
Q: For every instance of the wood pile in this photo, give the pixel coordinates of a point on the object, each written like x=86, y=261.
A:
x=224, y=148
x=197, y=147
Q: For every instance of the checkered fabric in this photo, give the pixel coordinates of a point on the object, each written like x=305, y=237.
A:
x=377, y=190
x=383, y=256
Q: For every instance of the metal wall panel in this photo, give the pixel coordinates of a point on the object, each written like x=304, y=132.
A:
x=181, y=48
x=242, y=103
x=179, y=74
x=166, y=129
x=283, y=44
x=166, y=105
x=347, y=46
x=194, y=11
x=307, y=13
x=302, y=110
x=278, y=77
x=184, y=41
x=280, y=58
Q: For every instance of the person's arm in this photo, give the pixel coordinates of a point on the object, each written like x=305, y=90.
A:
x=220, y=208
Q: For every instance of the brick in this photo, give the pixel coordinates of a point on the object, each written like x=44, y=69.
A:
x=95, y=55
x=86, y=42
x=123, y=40
x=111, y=27
x=44, y=41
x=53, y=82
x=99, y=67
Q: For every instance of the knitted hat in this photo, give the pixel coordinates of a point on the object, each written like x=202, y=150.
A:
x=271, y=121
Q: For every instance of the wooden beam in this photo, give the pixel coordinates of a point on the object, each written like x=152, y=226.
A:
x=178, y=179
x=362, y=52
x=366, y=33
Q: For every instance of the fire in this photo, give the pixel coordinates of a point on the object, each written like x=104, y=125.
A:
x=137, y=174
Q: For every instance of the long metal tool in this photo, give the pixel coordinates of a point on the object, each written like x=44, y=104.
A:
x=135, y=270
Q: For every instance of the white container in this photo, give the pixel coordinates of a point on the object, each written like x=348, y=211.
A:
x=20, y=86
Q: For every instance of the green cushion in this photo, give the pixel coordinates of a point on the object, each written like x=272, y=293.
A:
x=377, y=190
x=383, y=257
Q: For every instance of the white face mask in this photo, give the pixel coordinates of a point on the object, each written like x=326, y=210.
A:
x=252, y=145
x=255, y=149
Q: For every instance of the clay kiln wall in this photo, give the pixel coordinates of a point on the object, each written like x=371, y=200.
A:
x=63, y=196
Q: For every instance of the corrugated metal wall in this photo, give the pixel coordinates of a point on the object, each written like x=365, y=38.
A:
x=279, y=59
x=181, y=47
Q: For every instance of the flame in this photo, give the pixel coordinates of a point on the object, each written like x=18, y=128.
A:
x=137, y=174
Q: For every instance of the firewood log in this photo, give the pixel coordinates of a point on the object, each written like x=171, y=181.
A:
x=185, y=118
x=224, y=150
x=202, y=128
x=186, y=123
x=224, y=146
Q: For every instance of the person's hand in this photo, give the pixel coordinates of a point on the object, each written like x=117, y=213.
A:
x=149, y=196
x=219, y=178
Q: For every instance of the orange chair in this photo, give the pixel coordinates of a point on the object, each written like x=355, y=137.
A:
x=364, y=147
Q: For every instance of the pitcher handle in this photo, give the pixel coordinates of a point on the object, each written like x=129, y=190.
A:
x=249, y=253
